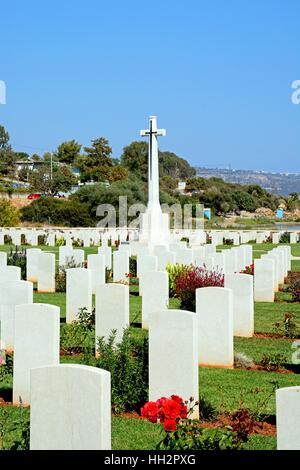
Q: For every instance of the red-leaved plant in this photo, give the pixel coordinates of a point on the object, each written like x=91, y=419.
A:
x=192, y=279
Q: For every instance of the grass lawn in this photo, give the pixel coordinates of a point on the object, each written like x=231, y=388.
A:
x=226, y=389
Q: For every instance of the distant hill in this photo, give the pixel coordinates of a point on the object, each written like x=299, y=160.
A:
x=276, y=183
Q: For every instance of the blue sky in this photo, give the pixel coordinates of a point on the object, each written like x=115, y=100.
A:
x=217, y=74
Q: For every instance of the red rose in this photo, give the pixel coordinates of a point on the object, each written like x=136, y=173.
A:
x=178, y=399
x=171, y=409
x=183, y=412
x=149, y=411
x=170, y=425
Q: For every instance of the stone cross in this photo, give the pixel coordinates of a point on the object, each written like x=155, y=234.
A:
x=153, y=173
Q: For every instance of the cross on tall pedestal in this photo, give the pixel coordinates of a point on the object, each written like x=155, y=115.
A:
x=153, y=173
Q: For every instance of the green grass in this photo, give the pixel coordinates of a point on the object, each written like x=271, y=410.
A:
x=256, y=348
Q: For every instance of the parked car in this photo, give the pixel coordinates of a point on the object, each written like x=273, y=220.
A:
x=34, y=196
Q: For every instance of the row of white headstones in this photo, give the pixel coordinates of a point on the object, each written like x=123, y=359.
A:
x=94, y=236
x=60, y=395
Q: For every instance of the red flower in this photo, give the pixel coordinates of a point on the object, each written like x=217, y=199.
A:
x=183, y=408
x=171, y=409
x=183, y=412
x=170, y=425
x=149, y=411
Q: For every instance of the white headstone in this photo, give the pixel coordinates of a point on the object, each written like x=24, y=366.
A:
x=96, y=264
x=243, y=303
x=155, y=296
x=214, y=308
x=32, y=256
x=12, y=293
x=112, y=310
x=106, y=251
x=70, y=408
x=120, y=265
x=36, y=344
x=10, y=273
x=78, y=292
x=3, y=259
x=46, y=272
x=173, y=355
x=264, y=270
x=288, y=418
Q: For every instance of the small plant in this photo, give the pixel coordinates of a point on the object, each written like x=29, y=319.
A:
x=77, y=243
x=192, y=279
x=274, y=362
x=18, y=258
x=295, y=289
x=227, y=241
x=60, y=242
x=242, y=361
x=6, y=366
x=79, y=337
x=180, y=432
x=14, y=435
x=285, y=238
x=243, y=424
x=127, y=362
x=248, y=270
x=133, y=266
x=287, y=327
x=207, y=411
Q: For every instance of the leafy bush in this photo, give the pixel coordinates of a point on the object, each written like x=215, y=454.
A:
x=175, y=271
x=68, y=212
x=287, y=327
x=9, y=215
x=273, y=362
x=14, y=434
x=128, y=364
x=133, y=266
x=79, y=336
x=18, y=258
x=192, y=279
x=6, y=367
x=60, y=242
x=295, y=289
x=207, y=411
x=227, y=241
x=285, y=238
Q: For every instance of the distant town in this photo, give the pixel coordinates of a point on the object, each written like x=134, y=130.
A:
x=276, y=183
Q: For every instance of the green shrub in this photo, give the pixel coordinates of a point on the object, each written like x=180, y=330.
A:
x=18, y=258
x=273, y=362
x=133, y=266
x=68, y=212
x=128, y=364
x=207, y=411
x=285, y=238
x=9, y=215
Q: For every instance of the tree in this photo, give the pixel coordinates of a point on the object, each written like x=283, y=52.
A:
x=135, y=159
x=98, y=165
x=7, y=156
x=172, y=165
x=4, y=138
x=68, y=151
x=9, y=215
x=62, y=179
x=35, y=157
x=22, y=156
